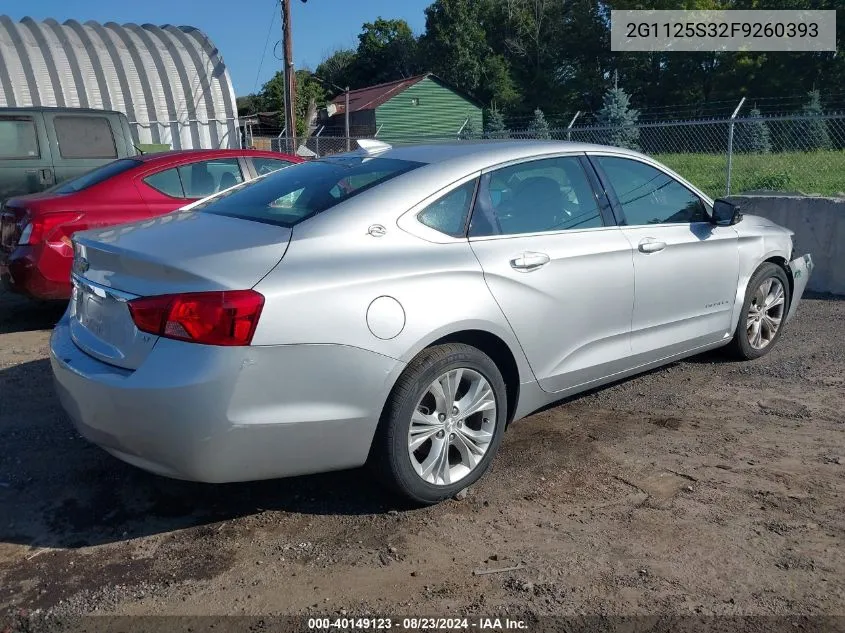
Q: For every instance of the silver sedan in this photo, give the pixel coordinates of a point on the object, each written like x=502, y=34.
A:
x=399, y=307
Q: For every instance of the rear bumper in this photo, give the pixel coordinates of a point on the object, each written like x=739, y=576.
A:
x=801, y=269
x=223, y=414
x=20, y=272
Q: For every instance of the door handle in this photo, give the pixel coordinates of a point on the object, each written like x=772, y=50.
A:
x=46, y=176
x=529, y=261
x=649, y=245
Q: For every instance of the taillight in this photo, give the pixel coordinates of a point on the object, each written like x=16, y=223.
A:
x=51, y=228
x=212, y=318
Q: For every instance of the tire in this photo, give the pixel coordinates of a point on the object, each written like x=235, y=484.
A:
x=751, y=319
x=391, y=455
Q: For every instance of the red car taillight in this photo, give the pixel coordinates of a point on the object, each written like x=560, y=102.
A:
x=51, y=228
x=211, y=318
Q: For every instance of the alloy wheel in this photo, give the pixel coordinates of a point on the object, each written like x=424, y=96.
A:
x=452, y=426
x=765, y=313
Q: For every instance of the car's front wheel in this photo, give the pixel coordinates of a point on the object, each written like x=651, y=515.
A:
x=763, y=312
x=442, y=424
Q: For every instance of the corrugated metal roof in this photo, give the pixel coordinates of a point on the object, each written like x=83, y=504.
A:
x=373, y=96
x=170, y=81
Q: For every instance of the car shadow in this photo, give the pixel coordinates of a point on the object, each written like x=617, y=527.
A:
x=20, y=314
x=58, y=490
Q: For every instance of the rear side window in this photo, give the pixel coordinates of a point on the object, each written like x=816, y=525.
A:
x=84, y=137
x=95, y=176
x=291, y=195
x=210, y=176
x=448, y=214
x=18, y=138
x=268, y=165
x=166, y=182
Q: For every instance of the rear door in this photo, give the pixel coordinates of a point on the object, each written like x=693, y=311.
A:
x=686, y=268
x=80, y=142
x=558, y=266
x=26, y=164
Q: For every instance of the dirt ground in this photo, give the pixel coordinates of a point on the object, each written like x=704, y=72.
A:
x=707, y=487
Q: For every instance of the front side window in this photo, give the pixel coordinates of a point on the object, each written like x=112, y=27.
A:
x=18, y=137
x=289, y=196
x=448, y=214
x=268, y=165
x=551, y=194
x=648, y=195
x=84, y=137
x=210, y=176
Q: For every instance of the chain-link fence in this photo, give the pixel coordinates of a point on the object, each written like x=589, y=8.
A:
x=796, y=153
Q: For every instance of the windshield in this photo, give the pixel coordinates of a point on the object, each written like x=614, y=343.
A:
x=291, y=195
x=95, y=176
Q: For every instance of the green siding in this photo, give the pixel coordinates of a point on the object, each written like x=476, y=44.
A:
x=440, y=114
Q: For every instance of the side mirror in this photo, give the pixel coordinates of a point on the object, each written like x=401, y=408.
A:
x=725, y=213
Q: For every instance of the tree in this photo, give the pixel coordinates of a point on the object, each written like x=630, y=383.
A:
x=387, y=50
x=753, y=135
x=495, y=127
x=310, y=94
x=339, y=68
x=620, y=119
x=812, y=132
x=539, y=127
x=456, y=46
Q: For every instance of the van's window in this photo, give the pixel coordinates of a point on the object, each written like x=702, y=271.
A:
x=18, y=138
x=210, y=176
x=84, y=137
x=95, y=176
x=166, y=182
x=290, y=195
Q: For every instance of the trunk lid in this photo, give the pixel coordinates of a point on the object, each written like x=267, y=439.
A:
x=184, y=251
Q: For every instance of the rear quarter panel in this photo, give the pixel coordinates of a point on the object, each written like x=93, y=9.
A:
x=323, y=288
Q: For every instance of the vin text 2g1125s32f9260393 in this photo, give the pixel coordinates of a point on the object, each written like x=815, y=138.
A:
x=401, y=306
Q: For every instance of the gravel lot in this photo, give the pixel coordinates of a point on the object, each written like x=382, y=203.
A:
x=704, y=487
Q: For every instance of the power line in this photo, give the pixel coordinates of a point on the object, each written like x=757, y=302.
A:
x=266, y=41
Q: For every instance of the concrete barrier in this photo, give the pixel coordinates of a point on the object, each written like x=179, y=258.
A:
x=819, y=225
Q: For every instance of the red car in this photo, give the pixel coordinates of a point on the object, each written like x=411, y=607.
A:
x=35, y=230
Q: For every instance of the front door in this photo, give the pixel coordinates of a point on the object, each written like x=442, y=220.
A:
x=686, y=268
x=560, y=271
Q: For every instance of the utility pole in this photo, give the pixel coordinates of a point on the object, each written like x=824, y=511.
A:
x=346, y=113
x=290, y=78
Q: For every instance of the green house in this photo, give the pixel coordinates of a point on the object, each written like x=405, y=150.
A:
x=403, y=111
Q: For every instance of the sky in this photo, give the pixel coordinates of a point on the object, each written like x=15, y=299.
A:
x=239, y=28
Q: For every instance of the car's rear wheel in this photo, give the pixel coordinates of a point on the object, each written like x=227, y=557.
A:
x=442, y=424
x=763, y=312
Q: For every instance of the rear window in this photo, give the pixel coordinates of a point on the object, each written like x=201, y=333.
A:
x=84, y=137
x=95, y=176
x=18, y=138
x=291, y=195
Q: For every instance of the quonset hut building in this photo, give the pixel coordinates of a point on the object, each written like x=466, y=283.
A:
x=170, y=81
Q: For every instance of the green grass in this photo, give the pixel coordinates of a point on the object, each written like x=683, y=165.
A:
x=820, y=172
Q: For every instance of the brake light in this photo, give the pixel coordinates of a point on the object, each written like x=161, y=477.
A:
x=50, y=228
x=211, y=318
